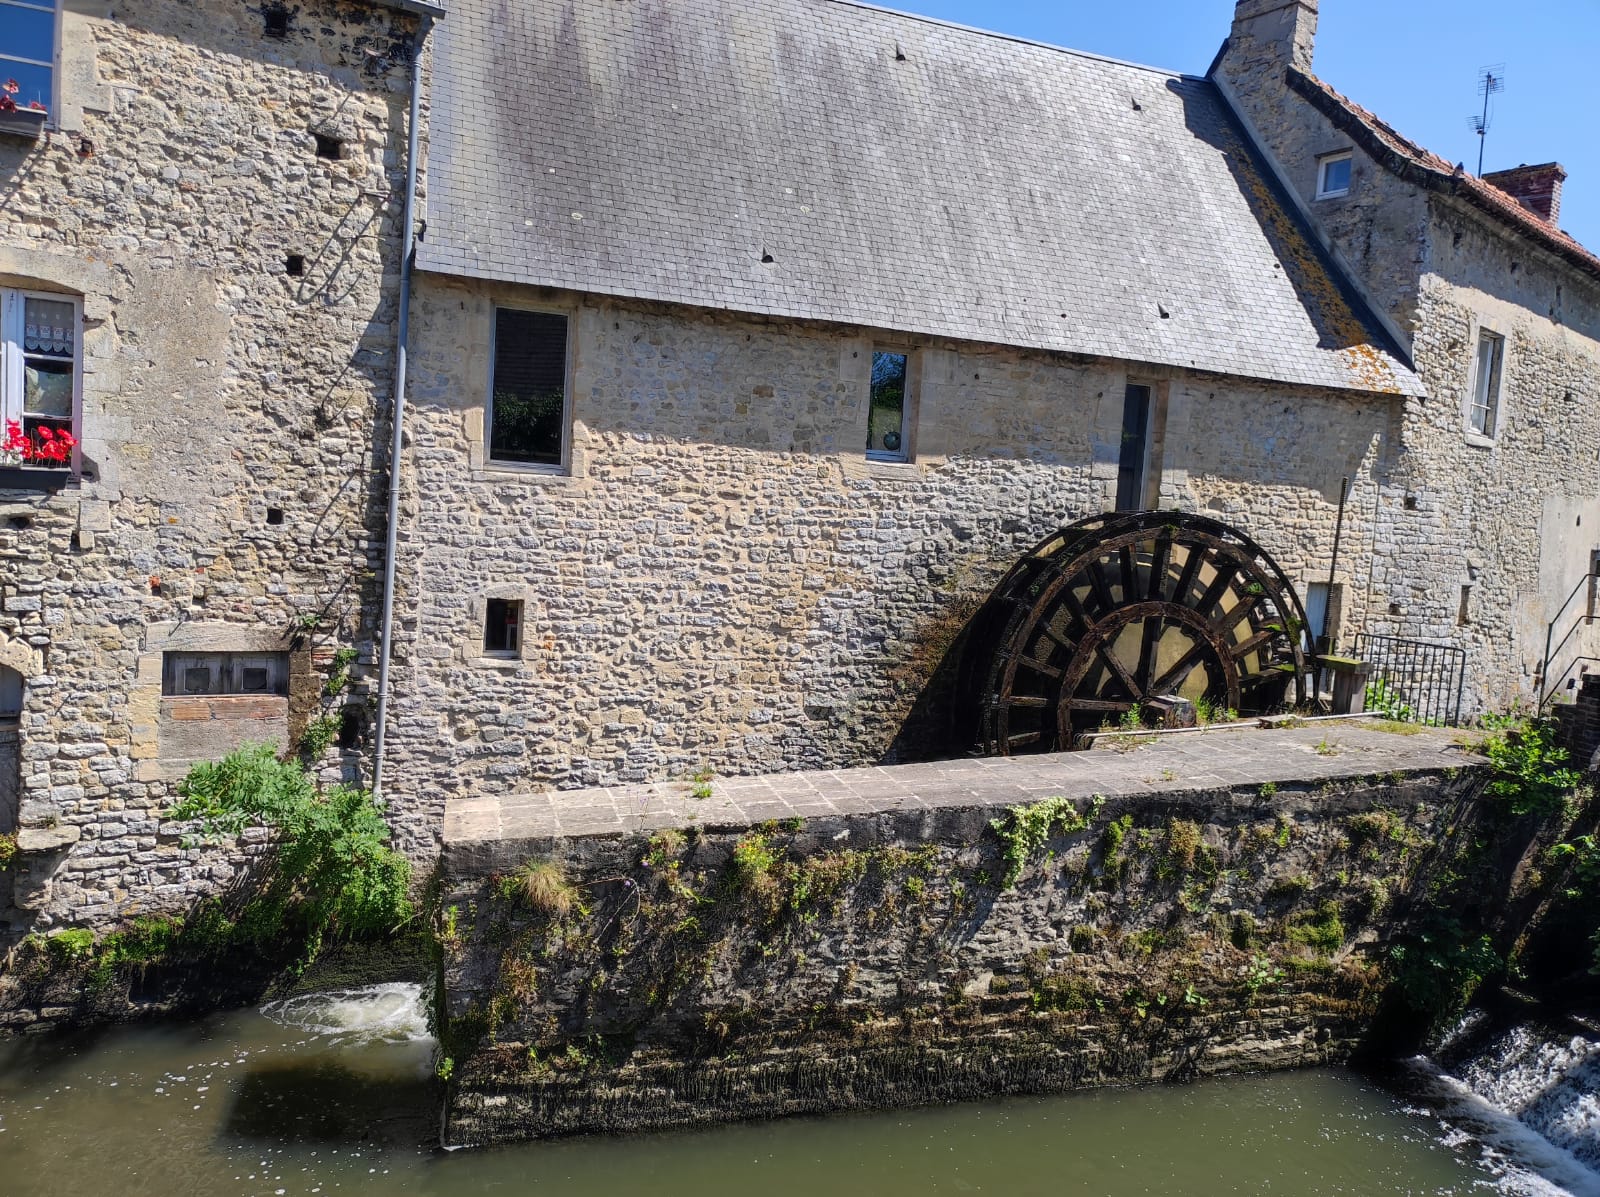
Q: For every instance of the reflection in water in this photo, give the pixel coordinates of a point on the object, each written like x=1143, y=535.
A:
x=333, y=1094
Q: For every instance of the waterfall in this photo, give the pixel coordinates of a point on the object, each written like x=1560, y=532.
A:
x=391, y=1013
x=1531, y=1094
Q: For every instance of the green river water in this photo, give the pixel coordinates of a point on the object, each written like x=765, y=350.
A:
x=324, y=1099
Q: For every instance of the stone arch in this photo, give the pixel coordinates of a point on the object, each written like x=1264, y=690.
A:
x=18, y=663
x=16, y=655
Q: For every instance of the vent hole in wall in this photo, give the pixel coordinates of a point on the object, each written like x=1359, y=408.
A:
x=274, y=516
x=295, y=264
x=275, y=21
x=329, y=147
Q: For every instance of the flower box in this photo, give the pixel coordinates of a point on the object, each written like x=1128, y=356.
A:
x=33, y=478
x=26, y=123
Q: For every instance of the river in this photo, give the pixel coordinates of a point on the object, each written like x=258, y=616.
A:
x=332, y=1094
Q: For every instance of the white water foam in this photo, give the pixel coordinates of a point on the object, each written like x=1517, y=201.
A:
x=391, y=1013
x=1548, y=1080
x=1523, y=1161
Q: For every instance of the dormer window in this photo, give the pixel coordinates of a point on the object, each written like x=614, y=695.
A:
x=1333, y=175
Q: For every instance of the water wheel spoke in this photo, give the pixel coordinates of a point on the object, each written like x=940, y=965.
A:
x=1097, y=704
x=1246, y=647
x=1226, y=572
x=1119, y=670
x=1191, y=566
x=1030, y=701
x=1102, y=588
x=1023, y=739
x=1130, y=576
x=1245, y=606
x=1150, y=638
x=1158, y=568
x=1181, y=669
x=1039, y=667
x=1049, y=633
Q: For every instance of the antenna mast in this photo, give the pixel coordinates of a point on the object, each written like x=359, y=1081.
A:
x=1491, y=80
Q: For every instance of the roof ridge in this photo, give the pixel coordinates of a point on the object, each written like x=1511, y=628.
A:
x=924, y=19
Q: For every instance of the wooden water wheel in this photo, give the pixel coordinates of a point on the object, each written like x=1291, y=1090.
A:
x=1127, y=613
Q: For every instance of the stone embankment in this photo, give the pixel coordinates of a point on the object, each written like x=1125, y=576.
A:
x=665, y=955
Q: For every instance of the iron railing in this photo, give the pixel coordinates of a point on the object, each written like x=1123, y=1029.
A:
x=1419, y=679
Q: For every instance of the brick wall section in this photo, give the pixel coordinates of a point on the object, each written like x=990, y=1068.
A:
x=1578, y=723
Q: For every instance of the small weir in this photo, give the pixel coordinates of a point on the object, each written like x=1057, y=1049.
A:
x=332, y=1093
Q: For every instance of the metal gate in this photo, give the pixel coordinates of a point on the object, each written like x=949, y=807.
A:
x=1415, y=680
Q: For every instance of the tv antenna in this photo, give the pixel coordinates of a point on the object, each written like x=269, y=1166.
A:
x=1491, y=80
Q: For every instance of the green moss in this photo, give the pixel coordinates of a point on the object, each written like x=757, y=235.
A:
x=1322, y=930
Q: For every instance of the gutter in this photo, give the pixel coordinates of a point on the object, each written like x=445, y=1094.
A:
x=427, y=12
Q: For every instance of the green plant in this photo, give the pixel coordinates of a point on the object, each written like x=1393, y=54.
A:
x=1321, y=930
x=542, y=886
x=74, y=944
x=446, y=1068
x=1267, y=789
x=751, y=863
x=701, y=784
x=1529, y=768
x=1023, y=831
x=1260, y=973
x=331, y=871
x=8, y=850
x=1111, y=840
x=309, y=621
x=1440, y=967
x=319, y=734
x=1385, y=701
x=1323, y=748
x=339, y=675
x=1185, y=845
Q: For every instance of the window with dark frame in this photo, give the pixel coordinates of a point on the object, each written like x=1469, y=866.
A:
x=502, y=628
x=1134, y=449
x=28, y=50
x=1486, y=383
x=888, y=431
x=196, y=674
x=528, y=389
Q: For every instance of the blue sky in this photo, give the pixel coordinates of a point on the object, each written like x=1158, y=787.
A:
x=1413, y=62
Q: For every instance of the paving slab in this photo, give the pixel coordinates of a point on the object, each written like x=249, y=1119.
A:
x=1235, y=757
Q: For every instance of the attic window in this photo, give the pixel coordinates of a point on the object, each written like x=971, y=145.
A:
x=1333, y=175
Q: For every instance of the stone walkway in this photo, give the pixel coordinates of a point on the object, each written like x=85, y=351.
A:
x=1174, y=764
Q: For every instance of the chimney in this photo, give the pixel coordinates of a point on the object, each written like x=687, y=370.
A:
x=1536, y=188
x=1269, y=36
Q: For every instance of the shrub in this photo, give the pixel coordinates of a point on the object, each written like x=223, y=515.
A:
x=332, y=869
x=1530, y=768
x=1023, y=831
x=8, y=850
x=753, y=859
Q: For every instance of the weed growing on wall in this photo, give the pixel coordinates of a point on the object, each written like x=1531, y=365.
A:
x=1024, y=830
x=8, y=851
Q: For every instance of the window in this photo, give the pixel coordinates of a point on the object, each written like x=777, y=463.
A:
x=502, y=628
x=28, y=50
x=1333, y=175
x=888, y=409
x=39, y=356
x=193, y=674
x=1135, y=448
x=1486, y=384
x=528, y=392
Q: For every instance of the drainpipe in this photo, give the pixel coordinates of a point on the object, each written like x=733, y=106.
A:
x=398, y=406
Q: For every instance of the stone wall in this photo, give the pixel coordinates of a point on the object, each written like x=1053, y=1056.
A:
x=217, y=387
x=724, y=582
x=856, y=961
x=1480, y=541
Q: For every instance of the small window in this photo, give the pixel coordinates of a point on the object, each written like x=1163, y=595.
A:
x=1133, y=453
x=1486, y=384
x=329, y=147
x=195, y=674
x=528, y=393
x=28, y=51
x=502, y=628
x=889, y=409
x=1333, y=175
x=39, y=362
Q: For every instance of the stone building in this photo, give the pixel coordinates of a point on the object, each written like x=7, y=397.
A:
x=199, y=252
x=751, y=342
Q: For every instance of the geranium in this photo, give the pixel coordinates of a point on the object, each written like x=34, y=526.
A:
x=8, y=98
x=48, y=447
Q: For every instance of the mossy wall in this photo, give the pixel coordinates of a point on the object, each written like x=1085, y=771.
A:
x=880, y=960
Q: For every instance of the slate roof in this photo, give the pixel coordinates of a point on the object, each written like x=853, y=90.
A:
x=1410, y=161
x=898, y=172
